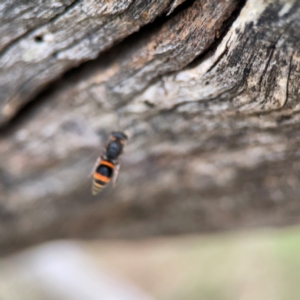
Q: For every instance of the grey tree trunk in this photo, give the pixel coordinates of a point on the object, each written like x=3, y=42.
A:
x=207, y=90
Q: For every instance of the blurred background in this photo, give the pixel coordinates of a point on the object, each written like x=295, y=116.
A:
x=261, y=264
x=207, y=200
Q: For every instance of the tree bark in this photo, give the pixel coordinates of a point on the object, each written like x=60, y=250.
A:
x=207, y=91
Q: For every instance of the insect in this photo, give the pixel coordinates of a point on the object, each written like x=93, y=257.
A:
x=107, y=166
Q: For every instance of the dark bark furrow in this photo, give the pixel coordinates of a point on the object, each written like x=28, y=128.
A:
x=55, y=65
x=289, y=77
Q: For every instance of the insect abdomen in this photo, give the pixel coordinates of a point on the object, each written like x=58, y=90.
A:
x=102, y=176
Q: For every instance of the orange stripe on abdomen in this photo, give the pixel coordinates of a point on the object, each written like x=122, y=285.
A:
x=107, y=163
x=101, y=177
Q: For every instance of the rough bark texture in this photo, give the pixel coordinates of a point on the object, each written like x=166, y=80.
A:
x=208, y=94
x=71, y=32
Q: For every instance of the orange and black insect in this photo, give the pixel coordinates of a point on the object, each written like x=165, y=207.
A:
x=107, y=166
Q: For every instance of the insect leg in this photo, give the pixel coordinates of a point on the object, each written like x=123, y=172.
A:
x=116, y=172
x=95, y=167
